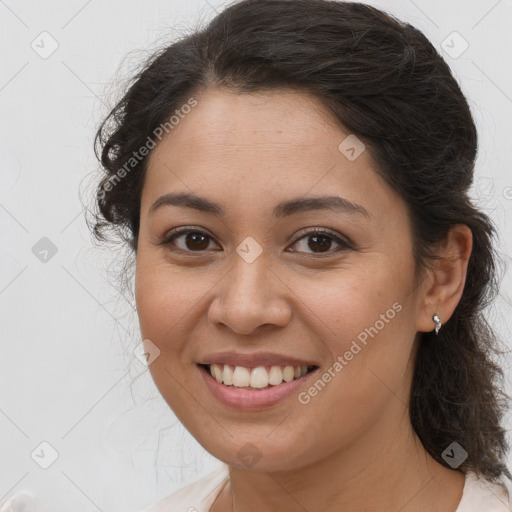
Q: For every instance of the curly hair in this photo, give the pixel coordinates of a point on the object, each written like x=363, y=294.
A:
x=384, y=82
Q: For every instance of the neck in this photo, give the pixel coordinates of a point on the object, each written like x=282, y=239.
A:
x=377, y=472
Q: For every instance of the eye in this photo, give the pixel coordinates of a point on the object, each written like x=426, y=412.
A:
x=188, y=240
x=317, y=240
x=320, y=241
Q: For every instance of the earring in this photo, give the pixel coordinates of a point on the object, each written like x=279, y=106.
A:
x=437, y=320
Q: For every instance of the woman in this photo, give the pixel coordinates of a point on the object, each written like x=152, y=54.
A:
x=310, y=271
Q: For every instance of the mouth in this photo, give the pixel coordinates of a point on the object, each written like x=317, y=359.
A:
x=257, y=378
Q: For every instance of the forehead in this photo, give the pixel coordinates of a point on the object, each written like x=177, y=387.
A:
x=275, y=143
x=231, y=124
x=229, y=111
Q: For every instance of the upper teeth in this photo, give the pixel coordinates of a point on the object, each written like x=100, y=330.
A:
x=258, y=377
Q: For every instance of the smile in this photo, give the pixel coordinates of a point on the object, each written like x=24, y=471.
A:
x=260, y=377
x=244, y=387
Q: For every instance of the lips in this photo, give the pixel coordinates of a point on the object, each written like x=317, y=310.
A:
x=248, y=397
x=260, y=379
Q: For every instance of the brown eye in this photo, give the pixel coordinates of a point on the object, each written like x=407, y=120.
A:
x=188, y=240
x=321, y=242
x=196, y=241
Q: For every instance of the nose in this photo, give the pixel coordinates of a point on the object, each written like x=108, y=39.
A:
x=249, y=297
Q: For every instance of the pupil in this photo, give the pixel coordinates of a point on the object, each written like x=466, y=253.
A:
x=196, y=238
x=321, y=241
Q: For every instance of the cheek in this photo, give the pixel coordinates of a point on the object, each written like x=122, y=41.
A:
x=365, y=320
x=167, y=301
x=344, y=305
x=165, y=298
x=368, y=374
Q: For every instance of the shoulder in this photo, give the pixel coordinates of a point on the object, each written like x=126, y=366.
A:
x=195, y=497
x=481, y=495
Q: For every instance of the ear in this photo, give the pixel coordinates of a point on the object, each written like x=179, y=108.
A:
x=443, y=287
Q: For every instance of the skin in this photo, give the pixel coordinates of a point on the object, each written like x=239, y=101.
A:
x=352, y=446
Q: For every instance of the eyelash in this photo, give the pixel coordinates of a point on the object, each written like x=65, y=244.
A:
x=344, y=244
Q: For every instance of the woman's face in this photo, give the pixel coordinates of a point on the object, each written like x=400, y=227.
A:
x=255, y=286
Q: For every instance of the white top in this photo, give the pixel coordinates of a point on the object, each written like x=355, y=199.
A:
x=478, y=495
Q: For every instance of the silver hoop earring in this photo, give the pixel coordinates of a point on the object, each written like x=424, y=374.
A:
x=438, y=323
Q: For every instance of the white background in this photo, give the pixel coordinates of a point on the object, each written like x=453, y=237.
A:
x=66, y=368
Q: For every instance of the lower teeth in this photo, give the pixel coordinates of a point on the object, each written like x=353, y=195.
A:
x=249, y=387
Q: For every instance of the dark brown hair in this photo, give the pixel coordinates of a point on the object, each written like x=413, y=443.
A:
x=384, y=82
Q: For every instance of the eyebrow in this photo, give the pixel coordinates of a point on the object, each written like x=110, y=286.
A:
x=283, y=209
